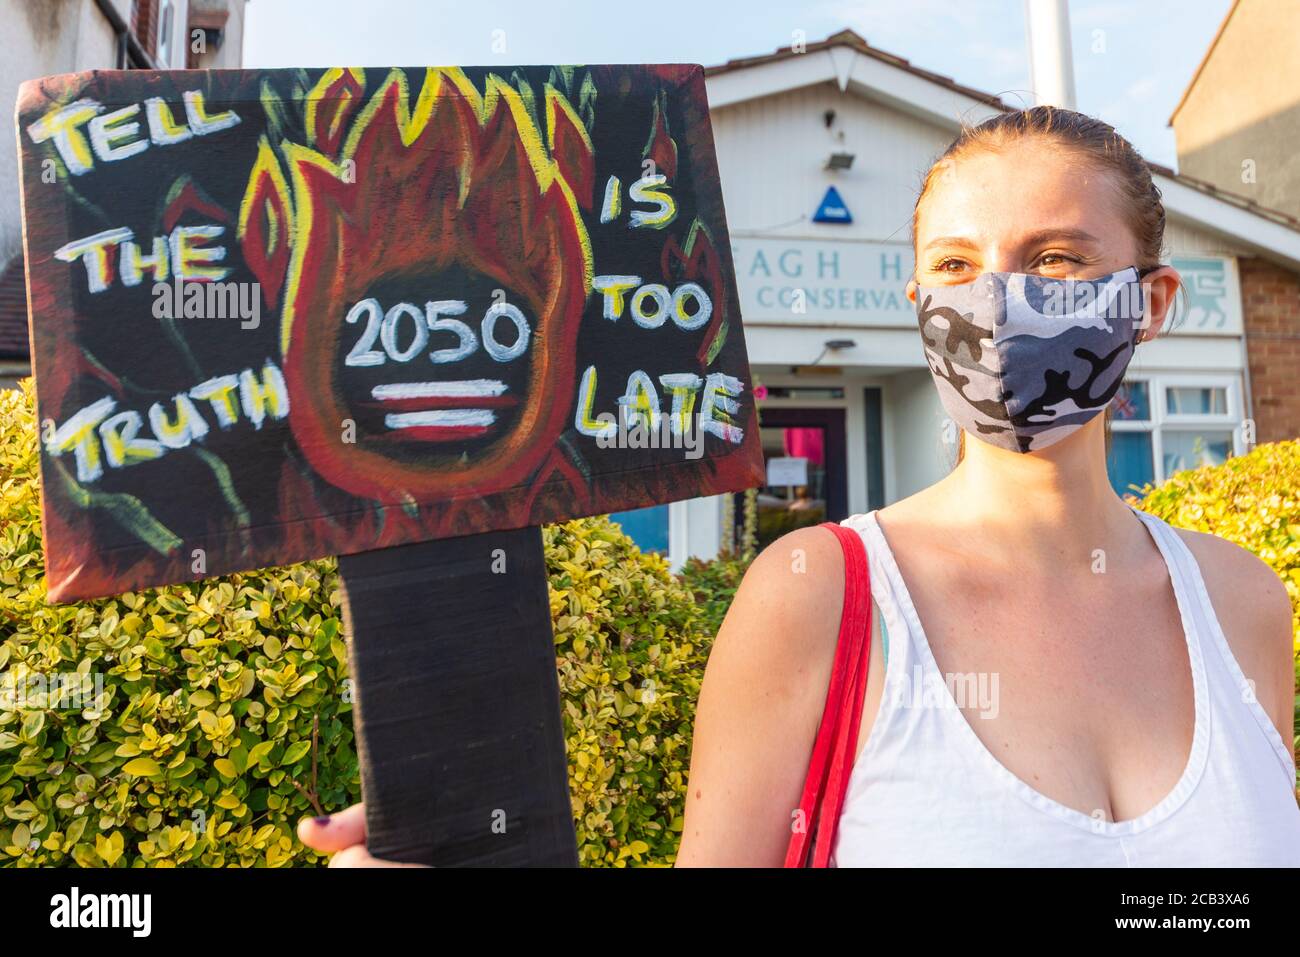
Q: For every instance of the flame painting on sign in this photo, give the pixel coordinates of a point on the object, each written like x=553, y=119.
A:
x=278, y=315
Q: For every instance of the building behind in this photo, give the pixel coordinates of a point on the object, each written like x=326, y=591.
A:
x=1238, y=131
x=1238, y=122
x=45, y=37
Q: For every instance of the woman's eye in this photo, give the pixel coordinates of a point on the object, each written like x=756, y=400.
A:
x=949, y=265
x=1055, y=259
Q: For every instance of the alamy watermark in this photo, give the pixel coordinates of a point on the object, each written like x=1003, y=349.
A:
x=65, y=690
x=638, y=429
x=969, y=691
x=209, y=300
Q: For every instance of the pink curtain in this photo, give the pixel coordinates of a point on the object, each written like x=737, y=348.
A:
x=806, y=443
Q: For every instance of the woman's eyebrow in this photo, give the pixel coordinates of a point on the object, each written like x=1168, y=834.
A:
x=952, y=241
x=1047, y=235
x=1036, y=238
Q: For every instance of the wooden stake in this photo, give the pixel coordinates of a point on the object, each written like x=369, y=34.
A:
x=457, y=705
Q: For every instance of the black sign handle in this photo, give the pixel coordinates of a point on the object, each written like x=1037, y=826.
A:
x=457, y=705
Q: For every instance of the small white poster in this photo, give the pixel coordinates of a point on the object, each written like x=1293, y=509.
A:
x=787, y=471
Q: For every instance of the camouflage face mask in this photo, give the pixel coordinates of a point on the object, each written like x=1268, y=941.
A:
x=1022, y=361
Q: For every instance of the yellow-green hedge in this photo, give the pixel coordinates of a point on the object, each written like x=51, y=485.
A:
x=1252, y=499
x=200, y=749
x=632, y=645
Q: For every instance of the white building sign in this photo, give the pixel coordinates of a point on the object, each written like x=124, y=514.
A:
x=1210, y=303
x=861, y=283
x=820, y=283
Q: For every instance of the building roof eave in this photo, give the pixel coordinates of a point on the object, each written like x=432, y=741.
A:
x=848, y=61
x=1271, y=235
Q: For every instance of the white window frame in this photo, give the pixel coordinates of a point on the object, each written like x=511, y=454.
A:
x=166, y=32
x=1161, y=421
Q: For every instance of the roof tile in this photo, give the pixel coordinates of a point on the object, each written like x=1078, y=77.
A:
x=13, y=310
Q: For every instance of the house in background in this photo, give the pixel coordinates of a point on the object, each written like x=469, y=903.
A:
x=1238, y=132
x=822, y=152
x=1238, y=122
x=44, y=37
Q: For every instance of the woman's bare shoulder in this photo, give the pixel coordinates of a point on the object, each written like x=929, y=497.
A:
x=760, y=703
x=1242, y=587
x=777, y=641
x=793, y=592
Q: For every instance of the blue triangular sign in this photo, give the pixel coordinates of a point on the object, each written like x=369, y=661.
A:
x=832, y=209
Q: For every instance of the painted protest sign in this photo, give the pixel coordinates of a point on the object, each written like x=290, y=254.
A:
x=278, y=315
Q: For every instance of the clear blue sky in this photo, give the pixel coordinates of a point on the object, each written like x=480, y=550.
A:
x=1132, y=60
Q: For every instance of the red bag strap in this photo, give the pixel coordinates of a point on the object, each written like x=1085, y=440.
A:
x=837, y=735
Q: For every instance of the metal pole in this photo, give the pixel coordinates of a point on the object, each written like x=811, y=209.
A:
x=1051, y=65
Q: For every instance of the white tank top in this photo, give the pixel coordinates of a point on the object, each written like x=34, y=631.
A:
x=925, y=791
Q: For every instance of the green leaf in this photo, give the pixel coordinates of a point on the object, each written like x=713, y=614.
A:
x=110, y=847
x=295, y=752
x=173, y=605
x=339, y=649
x=23, y=811
x=142, y=768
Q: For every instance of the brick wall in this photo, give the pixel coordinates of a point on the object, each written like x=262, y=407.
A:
x=144, y=24
x=1270, y=298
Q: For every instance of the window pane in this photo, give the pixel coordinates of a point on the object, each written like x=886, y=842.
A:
x=1131, y=403
x=795, y=461
x=648, y=527
x=1190, y=450
x=1130, y=461
x=1193, y=400
x=165, y=34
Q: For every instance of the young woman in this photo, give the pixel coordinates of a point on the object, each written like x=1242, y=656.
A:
x=1126, y=687
x=1055, y=678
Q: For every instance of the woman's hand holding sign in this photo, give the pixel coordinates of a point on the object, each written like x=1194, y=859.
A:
x=343, y=835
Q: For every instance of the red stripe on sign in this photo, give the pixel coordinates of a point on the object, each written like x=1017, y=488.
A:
x=436, y=433
x=430, y=403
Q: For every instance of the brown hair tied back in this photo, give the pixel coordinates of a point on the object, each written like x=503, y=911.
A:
x=1091, y=139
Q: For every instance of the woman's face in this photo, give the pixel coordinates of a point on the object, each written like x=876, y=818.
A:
x=1029, y=207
